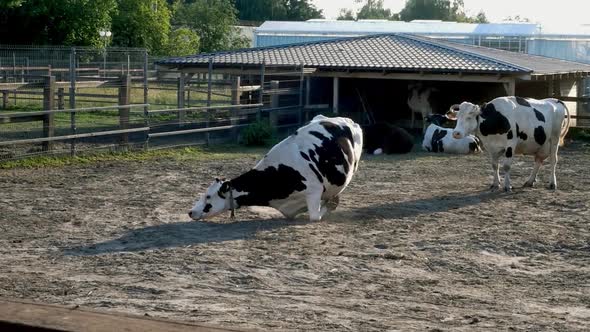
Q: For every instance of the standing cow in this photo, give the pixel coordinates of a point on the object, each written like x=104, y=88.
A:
x=511, y=125
x=305, y=171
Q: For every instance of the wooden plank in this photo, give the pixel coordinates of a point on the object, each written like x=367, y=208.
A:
x=193, y=131
x=18, y=315
x=67, y=137
x=205, y=108
x=22, y=119
x=75, y=110
x=579, y=99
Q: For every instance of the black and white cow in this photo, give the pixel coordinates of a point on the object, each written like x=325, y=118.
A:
x=304, y=172
x=386, y=138
x=515, y=125
x=439, y=139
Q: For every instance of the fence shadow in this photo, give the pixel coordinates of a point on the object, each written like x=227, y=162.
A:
x=178, y=234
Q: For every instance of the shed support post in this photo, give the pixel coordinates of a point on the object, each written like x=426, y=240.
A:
x=335, y=95
x=273, y=117
x=72, y=101
x=510, y=88
x=124, y=97
x=48, y=105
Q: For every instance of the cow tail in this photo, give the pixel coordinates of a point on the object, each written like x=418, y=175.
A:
x=565, y=128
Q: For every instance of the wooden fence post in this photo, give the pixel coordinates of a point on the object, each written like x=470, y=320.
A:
x=124, y=97
x=4, y=99
x=48, y=119
x=235, y=100
x=72, y=101
x=274, y=103
x=180, y=100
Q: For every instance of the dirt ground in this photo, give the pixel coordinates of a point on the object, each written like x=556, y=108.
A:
x=418, y=243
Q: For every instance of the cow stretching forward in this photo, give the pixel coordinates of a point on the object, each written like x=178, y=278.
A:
x=305, y=171
x=515, y=125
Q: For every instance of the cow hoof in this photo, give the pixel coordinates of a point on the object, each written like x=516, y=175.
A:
x=508, y=189
x=528, y=185
x=552, y=186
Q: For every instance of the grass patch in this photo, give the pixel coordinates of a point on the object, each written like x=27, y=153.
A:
x=579, y=134
x=220, y=152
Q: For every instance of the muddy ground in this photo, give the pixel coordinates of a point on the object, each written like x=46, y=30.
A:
x=417, y=244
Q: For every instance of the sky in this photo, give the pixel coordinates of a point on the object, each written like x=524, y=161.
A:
x=551, y=14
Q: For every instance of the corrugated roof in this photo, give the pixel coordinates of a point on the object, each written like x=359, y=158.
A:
x=364, y=27
x=391, y=52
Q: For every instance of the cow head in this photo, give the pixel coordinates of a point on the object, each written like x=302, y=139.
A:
x=213, y=202
x=467, y=115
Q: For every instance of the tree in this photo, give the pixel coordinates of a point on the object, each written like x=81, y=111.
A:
x=516, y=18
x=438, y=10
x=57, y=22
x=213, y=21
x=140, y=23
x=372, y=9
x=183, y=41
x=277, y=10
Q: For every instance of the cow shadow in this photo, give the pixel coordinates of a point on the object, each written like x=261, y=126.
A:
x=418, y=207
x=179, y=234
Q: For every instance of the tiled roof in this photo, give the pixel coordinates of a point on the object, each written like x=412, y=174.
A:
x=390, y=52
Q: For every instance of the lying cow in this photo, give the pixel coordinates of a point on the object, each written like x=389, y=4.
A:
x=439, y=139
x=511, y=125
x=305, y=171
x=385, y=138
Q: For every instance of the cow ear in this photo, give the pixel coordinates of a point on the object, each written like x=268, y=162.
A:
x=452, y=113
x=224, y=187
x=217, y=180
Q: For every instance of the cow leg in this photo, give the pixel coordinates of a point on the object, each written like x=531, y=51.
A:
x=506, y=168
x=314, y=202
x=496, y=175
x=553, y=163
x=533, y=178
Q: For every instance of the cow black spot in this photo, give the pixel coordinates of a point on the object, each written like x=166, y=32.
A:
x=540, y=136
x=263, y=186
x=521, y=134
x=331, y=153
x=305, y=156
x=494, y=122
x=522, y=101
x=436, y=141
x=207, y=208
x=473, y=146
x=317, y=173
x=509, y=152
x=509, y=135
x=539, y=115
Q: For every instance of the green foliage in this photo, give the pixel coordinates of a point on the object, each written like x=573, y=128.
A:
x=213, y=21
x=278, y=10
x=140, y=23
x=258, y=134
x=445, y=10
x=372, y=9
x=57, y=22
x=183, y=41
x=580, y=134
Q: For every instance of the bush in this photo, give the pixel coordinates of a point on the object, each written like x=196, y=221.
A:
x=258, y=134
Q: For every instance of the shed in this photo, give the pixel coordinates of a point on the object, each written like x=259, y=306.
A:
x=375, y=70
